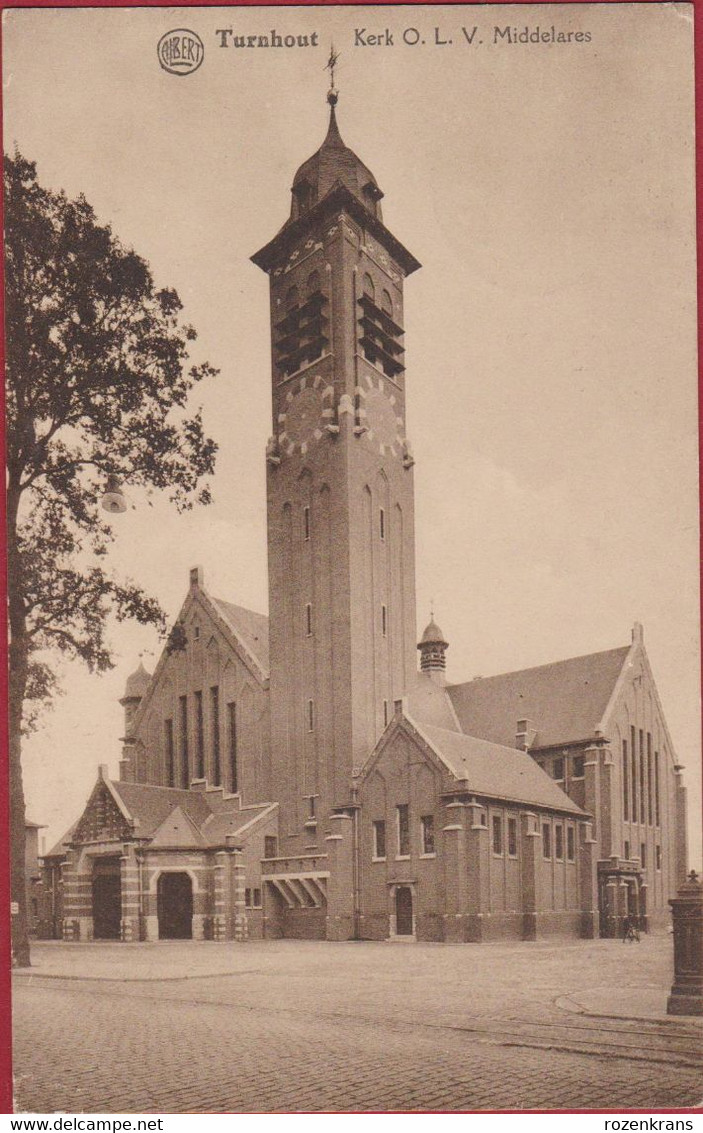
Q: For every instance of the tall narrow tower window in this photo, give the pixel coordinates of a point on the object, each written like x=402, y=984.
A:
x=185, y=769
x=650, y=810
x=313, y=282
x=382, y=523
x=402, y=813
x=643, y=800
x=656, y=787
x=625, y=784
x=385, y=714
x=384, y=620
x=170, y=755
x=311, y=716
x=215, y=730
x=633, y=777
x=232, y=746
x=368, y=287
x=306, y=523
x=386, y=302
x=308, y=619
x=199, y=737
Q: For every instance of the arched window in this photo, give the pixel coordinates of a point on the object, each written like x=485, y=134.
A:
x=368, y=287
x=313, y=282
x=292, y=298
x=386, y=302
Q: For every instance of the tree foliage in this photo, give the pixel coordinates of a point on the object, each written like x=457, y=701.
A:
x=98, y=381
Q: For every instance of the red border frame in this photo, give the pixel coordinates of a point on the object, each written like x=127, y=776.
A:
x=5, y=972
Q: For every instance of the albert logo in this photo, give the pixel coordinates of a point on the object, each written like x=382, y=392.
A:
x=180, y=51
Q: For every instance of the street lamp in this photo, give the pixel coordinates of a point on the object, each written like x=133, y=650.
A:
x=113, y=499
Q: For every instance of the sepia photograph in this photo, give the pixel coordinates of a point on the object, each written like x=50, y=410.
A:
x=353, y=558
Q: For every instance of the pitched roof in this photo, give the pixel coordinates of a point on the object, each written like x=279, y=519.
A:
x=220, y=825
x=497, y=772
x=59, y=849
x=149, y=805
x=564, y=701
x=179, y=830
x=429, y=703
x=250, y=627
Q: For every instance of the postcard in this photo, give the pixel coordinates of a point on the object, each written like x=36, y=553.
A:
x=352, y=545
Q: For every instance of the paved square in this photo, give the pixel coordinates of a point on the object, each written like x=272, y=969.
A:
x=303, y=1026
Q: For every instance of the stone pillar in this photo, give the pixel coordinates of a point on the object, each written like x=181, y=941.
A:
x=609, y=840
x=477, y=874
x=592, y=798
x=530, y=873
x=588, y=882
x=221, y=891
x=610, y=914
x=623, y=906
x=78, y=897
x=687, y=989
x=129, y=885
x=69, y=921
x=150, y=899
x=240, y=922
x=340, y=884
x=642, y=895
x=455, y=873
x=680, y=833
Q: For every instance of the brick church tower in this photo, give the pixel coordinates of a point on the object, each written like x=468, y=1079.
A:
x=339, y=485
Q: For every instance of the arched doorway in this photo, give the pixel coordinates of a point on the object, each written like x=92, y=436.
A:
x=107, y=898
x=174, y=905
x=403, y=911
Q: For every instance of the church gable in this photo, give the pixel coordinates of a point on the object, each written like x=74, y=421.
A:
x=401, y=747
x=209, y=636
x=102, y=820
x=177, y=830
x=635, y=701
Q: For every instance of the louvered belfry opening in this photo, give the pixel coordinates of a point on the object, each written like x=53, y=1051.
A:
x=302, y=336
x=380, y=338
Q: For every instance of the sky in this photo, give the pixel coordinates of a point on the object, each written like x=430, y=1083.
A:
x=548, y=191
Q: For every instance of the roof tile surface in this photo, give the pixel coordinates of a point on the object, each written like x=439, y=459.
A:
x=498, y=772
x=564, y=701
x=252, y=628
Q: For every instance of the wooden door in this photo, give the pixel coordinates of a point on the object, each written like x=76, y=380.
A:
x=403, y=911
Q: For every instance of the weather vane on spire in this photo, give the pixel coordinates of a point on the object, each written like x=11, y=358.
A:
x=332, y=94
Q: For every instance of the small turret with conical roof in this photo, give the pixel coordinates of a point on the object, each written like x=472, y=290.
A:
x=433, y=646
x=135, y=689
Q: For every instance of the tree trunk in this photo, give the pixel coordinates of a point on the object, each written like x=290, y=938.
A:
x=18, y=884
x=18, y=666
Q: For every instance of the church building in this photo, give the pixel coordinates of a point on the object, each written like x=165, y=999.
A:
x=313, y=774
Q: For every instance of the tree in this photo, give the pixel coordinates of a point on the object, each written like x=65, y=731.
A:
x=98, y=378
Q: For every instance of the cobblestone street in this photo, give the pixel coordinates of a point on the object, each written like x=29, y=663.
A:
x=284, y=1026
